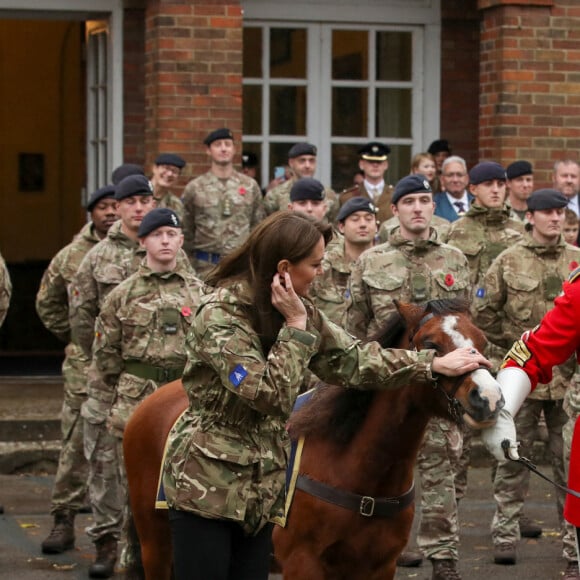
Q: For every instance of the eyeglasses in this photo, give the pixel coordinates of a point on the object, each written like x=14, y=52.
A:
x=456, y=174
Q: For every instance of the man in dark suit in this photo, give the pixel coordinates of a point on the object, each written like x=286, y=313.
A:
x=454, y=200
x=566, y=178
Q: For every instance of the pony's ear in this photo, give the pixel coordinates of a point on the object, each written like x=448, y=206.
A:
x=409, y=312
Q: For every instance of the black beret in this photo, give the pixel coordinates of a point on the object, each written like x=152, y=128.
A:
x=519, y=168
x=302, y=149
x=486, y=171
x=133, y=185
x=546, y=199
x=416, y=183
x=249, y=159
x=170, y=159
x=355, y=204
x=96, y=196
x=218, y=134
x=307, y=188
x=157, y=218
x=374, y=151
x=438, y=146
x=124, y=171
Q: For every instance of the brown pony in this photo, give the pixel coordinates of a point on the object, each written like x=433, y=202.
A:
x=363, y=443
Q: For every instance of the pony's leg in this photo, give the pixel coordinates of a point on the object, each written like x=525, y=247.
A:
x=303, y=565
x=156, y=549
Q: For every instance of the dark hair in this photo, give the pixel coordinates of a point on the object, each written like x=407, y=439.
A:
x=285, y=235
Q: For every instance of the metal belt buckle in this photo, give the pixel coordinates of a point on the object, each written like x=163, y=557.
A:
x=367, y=506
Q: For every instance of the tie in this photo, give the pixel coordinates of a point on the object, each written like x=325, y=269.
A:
x=460, y=206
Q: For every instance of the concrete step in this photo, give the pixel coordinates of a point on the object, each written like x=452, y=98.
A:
x=30, y=436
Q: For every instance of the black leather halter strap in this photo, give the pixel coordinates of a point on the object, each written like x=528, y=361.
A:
x=365, y=505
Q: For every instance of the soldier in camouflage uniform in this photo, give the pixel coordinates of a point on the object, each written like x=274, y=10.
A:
x=124, y=170
x=519, y=185
x=518, y=289
x=165, y=174
x=249, y=345
x=302, y=162
x=5, y=290
x=414, y=266
x=104, y=267
x=141, y=328
x=221, y=207
x=482, y=234
x=70, y=484
x=330, y=292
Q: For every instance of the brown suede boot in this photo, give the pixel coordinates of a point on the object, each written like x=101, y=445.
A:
x=62, y=535
x=445, y=570
x=104, y=564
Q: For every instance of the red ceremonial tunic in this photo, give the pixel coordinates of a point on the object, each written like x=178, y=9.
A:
x=551, y=343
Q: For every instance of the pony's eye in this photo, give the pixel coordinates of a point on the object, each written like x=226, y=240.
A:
x=430, y=346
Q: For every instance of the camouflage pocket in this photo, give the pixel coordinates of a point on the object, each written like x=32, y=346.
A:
x=220, y=473
x=522, y=296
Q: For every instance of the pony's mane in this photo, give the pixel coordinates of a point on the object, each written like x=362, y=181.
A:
x=336, y=413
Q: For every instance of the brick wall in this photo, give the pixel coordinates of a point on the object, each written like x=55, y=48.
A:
x=134, y=85
x=530, y=83
x=193, y=76
x=460, y=77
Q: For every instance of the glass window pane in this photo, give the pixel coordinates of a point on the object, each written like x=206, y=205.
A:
x=344, y=165
x=349, y=112
x=288, y=53
x=278, y=156
x=350, y=54
x=252, y=109
x=393, y=113
x=252, y=53
x=287, y=110
x=394, y=56
x=399, y=163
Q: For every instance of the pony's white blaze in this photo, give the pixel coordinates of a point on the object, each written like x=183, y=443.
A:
x=488, y=387
x=450, y=328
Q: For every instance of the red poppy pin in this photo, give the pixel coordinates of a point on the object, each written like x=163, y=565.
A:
x=242, y=190
x=449, y=280
x=186, y=311
x=573, y=265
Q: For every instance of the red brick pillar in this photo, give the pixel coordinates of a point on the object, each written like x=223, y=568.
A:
x=193, y=76
x=529, y=82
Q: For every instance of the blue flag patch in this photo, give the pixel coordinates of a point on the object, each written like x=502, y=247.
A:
x=480, y=292
x=238, y=375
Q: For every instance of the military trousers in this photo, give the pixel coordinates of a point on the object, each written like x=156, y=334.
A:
x=438, y=535
x=512, y=480
x=70, y=483
x=107, y=489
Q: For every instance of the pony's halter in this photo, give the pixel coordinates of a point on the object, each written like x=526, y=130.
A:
x=454, y=407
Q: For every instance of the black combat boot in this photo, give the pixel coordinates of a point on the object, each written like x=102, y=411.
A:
x=62, y=535
x=445, y=570
x=104, y=564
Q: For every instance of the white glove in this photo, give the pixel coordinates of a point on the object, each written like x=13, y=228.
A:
x=515, y=386
x=503, y=430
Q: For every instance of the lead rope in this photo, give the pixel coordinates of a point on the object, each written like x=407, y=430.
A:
x=505, y=445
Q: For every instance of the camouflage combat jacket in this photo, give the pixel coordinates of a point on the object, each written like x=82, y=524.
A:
x=278, y=198
x=105, y=266
x=516, y=292
x=143, y=322
x=410, y=271
x=482, y=234
x=219, y=214
x=330, y=290
x=227, y=453
x=52, y=307
x=5, y=290
x=171, y=201
x=52, y=296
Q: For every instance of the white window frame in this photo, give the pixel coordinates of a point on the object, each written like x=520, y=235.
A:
x=422, y=17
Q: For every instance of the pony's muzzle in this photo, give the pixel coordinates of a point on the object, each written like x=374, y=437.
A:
x=487, y=399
